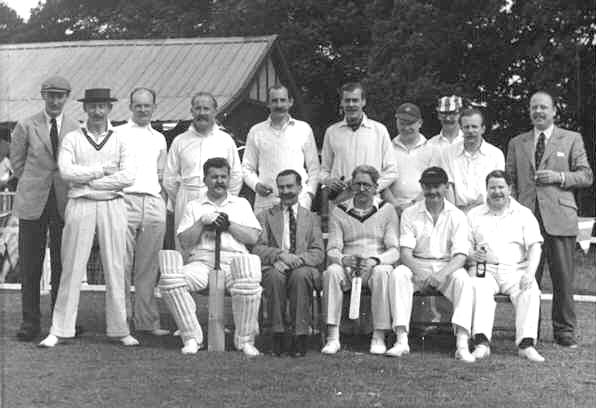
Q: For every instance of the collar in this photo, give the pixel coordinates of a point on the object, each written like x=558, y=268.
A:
x=481, y=150
x=195, y=132
x=460, y=135
x=108, y=129
x=49, y=118
x=420, y=142
x=447, y=207
x=349, y=204
x=365, y=122
x=284, y=208
x=291, y=121
x=228, y=200
x=131, y=123
x=513, y=206
x=548, y=132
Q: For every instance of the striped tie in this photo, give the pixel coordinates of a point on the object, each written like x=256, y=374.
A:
x=539, y=149
x=292, y=220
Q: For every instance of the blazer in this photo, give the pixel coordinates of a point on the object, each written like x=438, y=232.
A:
x=564, y=152
x=32, y=159
x=309, y=240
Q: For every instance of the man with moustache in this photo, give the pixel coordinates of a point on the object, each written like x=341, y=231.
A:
x=146, y=210
x=281, y=142
x=354, y=141
x=97, y=164
x=362, y=238
x=413, y=154
x=291, y=249
x=183, y=175
x=448, y=110
x=547, y=165
x=433, y=249
x=233, y=217
x=40, y=197
x=506, y=246
x=469, y=161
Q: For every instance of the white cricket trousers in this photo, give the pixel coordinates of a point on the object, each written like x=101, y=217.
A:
x=457, y=288
x=378, y=284
x=83, y=217
x=526, y=303
x=146, y=228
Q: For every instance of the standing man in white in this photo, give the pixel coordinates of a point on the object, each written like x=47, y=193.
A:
x=280, y=143
x=506, y=247
x=146, y=210
x=448, y=110
x=96, y=163
x=183, y=176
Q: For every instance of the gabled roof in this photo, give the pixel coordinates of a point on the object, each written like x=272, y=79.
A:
x=174, y=68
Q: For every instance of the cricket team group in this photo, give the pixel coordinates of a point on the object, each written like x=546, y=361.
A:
x=449, y=214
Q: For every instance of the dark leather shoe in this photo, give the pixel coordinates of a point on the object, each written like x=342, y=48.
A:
x=278, y=344
x=566, y=341
x=300, y=346
x=27, y=334
x=79, y=330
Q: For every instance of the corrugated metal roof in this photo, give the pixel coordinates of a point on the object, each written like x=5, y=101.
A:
x=174, y=68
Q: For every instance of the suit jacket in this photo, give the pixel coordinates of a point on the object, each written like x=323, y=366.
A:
x=309, y=240
x=32, y=159
x=564, y=153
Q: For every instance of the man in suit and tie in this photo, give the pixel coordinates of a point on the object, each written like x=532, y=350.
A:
x=546, y=165
x=41, y=196
x=291, y=248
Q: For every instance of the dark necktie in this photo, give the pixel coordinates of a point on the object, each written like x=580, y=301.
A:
x=539, y=149
x=292, y=220
x=54, y=137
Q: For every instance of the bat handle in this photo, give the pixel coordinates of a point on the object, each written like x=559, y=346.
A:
x=216, y=264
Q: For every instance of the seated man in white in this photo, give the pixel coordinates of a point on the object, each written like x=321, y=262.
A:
x=360, y=230
x=506, y=249
x=434, y=246
x=197, y=230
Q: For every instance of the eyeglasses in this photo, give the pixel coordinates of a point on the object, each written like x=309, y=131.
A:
x=362, y=186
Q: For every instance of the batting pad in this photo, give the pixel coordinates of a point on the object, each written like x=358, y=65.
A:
x=183, y=308
x=246, y=267
x=170, y=262
x=245, y=309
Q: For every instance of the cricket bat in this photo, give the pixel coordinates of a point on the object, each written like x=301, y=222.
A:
x=215, y=329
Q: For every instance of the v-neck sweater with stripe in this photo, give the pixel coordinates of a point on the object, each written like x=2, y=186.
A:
x=81, y=164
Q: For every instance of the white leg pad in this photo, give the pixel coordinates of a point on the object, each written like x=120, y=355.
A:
x=174, y=291
x=246, y=266
x=245, y=309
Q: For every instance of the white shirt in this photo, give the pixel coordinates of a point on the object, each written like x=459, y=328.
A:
x=411, y=162
x=149, y=148
x=269, y=151
x=507, y=236
x=547, y=134
x=190, y=150
x=437, y=241
x=238, y=211
x=285, y=240
x=441, y=141
x=58, y=120
x=467, y=171
x=344, y=149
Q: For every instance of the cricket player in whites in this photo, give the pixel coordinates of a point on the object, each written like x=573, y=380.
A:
x=233, y=217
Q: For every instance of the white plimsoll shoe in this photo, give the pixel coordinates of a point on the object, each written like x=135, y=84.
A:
x=481, y=351
x=464, y=355
x=159, y=332
x=49, y=341
x=398, y=350
x=250, y=350
x=331, y=347
x=531, y=354
x=191, y=346
x=176, y=333
x=377, y=346
x=129, y=341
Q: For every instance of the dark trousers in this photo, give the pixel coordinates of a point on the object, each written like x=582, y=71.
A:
x=558, y=252
x=296, y=287
x=32, y=244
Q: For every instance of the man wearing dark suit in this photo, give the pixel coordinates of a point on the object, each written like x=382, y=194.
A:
x=291, y=248
x=41, y=196
x=546, y=165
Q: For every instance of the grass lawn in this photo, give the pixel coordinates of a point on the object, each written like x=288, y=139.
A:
x=92, y=372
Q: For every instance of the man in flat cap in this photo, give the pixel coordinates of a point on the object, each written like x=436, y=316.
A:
x=97, y=164
x=434, y=246
x=448, y=110
x=41, y=196
x=413, y=154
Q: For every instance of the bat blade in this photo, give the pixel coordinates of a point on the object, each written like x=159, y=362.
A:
x=215, y=329
x=355, y=298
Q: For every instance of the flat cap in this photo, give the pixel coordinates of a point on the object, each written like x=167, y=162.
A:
x=434, y=176
x=451, y=103
x=409, y=112
x=55, y=84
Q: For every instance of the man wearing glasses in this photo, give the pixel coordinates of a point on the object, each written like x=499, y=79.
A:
x=362, y=240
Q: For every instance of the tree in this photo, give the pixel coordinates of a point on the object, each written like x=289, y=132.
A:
x=10, y=23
